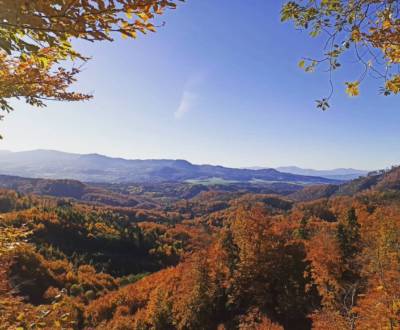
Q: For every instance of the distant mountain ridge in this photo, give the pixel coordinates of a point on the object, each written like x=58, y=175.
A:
x=336, y=174
x=51, y=164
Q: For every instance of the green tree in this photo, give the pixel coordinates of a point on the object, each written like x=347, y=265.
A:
x=348, y=234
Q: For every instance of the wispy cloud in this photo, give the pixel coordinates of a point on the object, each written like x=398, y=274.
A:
x=189, y=96
x=188, y=101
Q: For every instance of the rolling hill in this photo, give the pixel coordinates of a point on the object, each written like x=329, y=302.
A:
x=388, y=180
x=98, y=168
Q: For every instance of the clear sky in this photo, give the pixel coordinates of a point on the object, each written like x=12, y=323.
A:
x=218, y=84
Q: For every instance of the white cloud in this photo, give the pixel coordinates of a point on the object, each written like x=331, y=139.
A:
x=189, y=96
x=188, y=101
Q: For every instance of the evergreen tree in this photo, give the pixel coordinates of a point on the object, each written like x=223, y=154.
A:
x=348, y=235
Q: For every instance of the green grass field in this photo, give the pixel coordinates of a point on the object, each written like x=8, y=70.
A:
x=211, y=181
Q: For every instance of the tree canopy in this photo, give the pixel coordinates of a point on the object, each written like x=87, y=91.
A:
x=36, y=38
x=369, y=29
x=36, y=41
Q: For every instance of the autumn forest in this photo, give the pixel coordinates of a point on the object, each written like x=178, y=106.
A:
x=217, y=260
x=94, y=242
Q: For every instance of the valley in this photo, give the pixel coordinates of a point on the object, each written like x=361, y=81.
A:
x=179, y=255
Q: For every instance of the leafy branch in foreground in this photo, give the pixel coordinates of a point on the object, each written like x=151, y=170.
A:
x=369, y=29
x=36, y=36
x=34, y=79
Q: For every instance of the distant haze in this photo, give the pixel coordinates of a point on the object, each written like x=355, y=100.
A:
x=338, y=173
x=344, y=174
x=99, y=168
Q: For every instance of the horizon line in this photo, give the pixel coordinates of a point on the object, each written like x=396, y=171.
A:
x=254, y=167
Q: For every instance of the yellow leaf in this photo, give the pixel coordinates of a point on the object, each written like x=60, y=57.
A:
x=151, y=27
x=393, y=84
x=356, y=34
x=353, y=88
x=143, y=16
x=129, y=14
x=387, y=24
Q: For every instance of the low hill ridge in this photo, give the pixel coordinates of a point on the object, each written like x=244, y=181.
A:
x=52, y=164
x=384, y=180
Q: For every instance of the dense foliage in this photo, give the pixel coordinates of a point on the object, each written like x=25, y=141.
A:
x=253, y=262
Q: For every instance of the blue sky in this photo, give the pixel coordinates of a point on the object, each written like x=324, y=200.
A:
x=218, y=84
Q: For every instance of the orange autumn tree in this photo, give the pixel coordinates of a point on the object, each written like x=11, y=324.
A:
x=379, y=307
x=35, y=81
x=367, y=29
x=36, y=41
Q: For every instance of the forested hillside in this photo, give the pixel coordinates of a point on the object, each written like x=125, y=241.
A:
x=211, y=260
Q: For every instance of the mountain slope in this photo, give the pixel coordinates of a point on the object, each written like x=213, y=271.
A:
x=98, y=168
x=376, y=181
